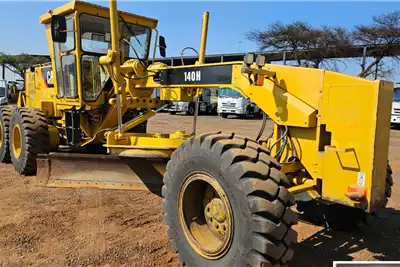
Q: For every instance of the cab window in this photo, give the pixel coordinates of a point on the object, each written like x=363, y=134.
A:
x=94, y=77
x=69, y=76
x=70, y=43
x=96, y=37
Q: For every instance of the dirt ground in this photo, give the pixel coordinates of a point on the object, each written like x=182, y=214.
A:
x=92, y=227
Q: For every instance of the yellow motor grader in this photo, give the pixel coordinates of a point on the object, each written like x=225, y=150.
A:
x=81, y=122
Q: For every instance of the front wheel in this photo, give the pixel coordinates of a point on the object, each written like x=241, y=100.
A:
x=29, y=136
x=224, y=115
x=226, y=204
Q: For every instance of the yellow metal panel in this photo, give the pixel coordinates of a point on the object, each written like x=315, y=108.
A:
x=303, y=83
x=48, y=108
x=350, y=111
x=102, y=171
x=276, y=102
x=85, y=7
x=144, y=141
x=306, y=144
x=30, y=90
x=54, y=137
x=176, y=94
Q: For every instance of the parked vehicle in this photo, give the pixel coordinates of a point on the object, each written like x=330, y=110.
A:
x=395, y=117
x=231, y=102
x=3, y=92
x=206, y=104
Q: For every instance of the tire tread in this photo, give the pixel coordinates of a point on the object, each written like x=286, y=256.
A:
x=264, y=187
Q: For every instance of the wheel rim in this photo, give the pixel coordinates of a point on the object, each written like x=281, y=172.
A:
x=1, y=135
x=16, y=141
x=208, y=227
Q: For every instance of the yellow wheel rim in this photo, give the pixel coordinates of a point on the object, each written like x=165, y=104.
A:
x=16, y=141
x=1, y=135
x=205, y=215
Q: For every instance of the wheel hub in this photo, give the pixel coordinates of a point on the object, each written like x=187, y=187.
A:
x=16, y=141
x=205, y=215
x=217, y=210
x=216, y=217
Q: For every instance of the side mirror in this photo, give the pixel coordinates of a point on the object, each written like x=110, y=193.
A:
x=162, y=45
x=58, y=29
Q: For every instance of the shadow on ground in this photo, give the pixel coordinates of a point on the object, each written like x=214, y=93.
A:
x=381, y=237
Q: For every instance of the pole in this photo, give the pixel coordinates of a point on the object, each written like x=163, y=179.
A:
x=203, y=39
x=116, y=64
x=202, y=55
x=284, y=57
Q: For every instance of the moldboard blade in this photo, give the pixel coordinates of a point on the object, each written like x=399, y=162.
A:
x=101, y=171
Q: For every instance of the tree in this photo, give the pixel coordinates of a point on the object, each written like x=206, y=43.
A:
x=383, y=34
x=19, y=63
x=299, y=38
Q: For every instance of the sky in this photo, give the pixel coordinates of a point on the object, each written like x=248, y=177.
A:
x=180, y=21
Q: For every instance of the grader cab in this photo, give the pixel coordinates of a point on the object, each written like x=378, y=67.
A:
x=227, y=198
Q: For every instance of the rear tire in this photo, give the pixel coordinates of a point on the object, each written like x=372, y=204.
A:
x=389, y=184
x=247, y=114
x=29, y=136
x=337, y=217
x=5, y=117
x=257, y=194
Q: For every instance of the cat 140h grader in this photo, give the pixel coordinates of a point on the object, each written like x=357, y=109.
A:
x=227, y=198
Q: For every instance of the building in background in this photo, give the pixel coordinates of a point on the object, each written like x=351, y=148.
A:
x=8, y=75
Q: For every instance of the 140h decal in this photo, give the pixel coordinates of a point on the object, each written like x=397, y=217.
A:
x=192, y=76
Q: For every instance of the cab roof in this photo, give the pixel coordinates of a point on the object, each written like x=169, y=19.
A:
x=94, y=9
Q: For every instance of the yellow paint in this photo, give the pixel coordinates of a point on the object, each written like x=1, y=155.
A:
x=144, y=141
x=54, y=137
x=360, y=136
x=176, y=94
x=16, y=141
x=339, y=124
x=211, y=234
x=302, y=188
x=136, y=121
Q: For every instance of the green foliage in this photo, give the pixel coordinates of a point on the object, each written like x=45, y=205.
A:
x=19, y=63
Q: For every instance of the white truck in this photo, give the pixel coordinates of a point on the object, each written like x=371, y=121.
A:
x=231, y=102
x=3, y=92
x=206, y=105
x=395, y=118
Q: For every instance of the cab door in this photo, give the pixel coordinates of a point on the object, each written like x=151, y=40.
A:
x=66, y=64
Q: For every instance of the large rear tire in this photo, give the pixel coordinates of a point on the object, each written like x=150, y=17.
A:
x=227, y=204
x=29, y=136
x=5, y=117
x=389, y=184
